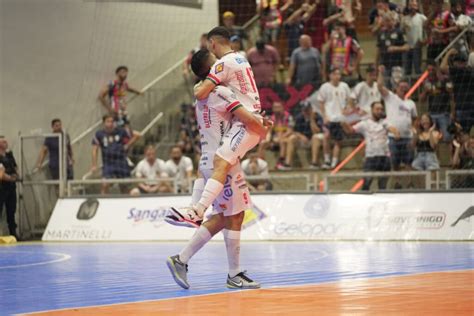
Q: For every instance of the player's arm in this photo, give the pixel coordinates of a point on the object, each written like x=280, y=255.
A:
x=204, y=88
x=250, y=121
x=103, y=98
x=381, y=83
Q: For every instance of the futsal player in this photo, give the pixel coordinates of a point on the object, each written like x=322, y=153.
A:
x=234, y=71
x=215, y=115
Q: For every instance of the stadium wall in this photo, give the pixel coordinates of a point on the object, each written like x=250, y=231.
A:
x=396, y=216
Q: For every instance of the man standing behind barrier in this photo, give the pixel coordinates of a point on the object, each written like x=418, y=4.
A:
x=401, y=114
x=375, y=131
x=8, y=177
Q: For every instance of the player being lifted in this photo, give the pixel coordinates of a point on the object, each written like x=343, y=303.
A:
x=233, y=71
x=215, y=115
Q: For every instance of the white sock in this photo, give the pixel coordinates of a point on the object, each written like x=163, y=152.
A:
x=327, y=158
x=200, y=238
x=334, y=162
x=209, y=194
x=198, y=187
x=232, y=244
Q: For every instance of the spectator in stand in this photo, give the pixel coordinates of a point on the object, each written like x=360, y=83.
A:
x=382, y=8
x=278, y=136
x=189, y=136
x=463, y=158
x=335, y=102
x=51, y=146
x=438, y=91
x=236, y=45
x=343, y=12
x=153, y=170
x=391, y=44
x=342, y=52
x=114, y=143
x=228, y=19
x=265, y=60
x=294, y=24
x=461, y=76
x=375, y=131
x=314, y=27
x=308, y=132
x=113, y=97
x=440, y=23
x=187, y=73
x=180, y=168
x=401, y=114
x=305, y=65
x=8, y=178
x=271, y=20
x=255, y=166
x=425, y=140
x=413, y=24
x=366, y=92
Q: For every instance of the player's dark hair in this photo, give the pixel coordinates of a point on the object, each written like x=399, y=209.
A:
x=198, y=63
x=119, y=68
x=219, y=31
x=54, y=121
x=106, y=116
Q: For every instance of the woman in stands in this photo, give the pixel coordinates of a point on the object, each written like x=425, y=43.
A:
x=425, y=141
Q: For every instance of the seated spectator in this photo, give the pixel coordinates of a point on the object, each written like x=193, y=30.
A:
x=391, y=45
x=265, y=60
x=413, y=25
x=180, y=168
x=425, y=140
x=334, y=100
x=153, y=170
x=455, y=65
x=305, y=65
x=271, y=20
x=438, y=91
x=463, y=158
x=342, y=52
x=366, y=92
x=401, y=114
x=382, y=8
x=51, y=146
x=439, y=25
x=237, y=46
x=294, y=24
x=114, y=143
x=113, y=97
x=255, y=166
x=278, y=136
x=308, y=132
x=375, y=131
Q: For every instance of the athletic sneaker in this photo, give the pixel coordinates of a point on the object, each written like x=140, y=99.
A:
x=180, y=215
x=326, y=165
x=283, y=167
x=314, y=166
x=178, y=270
x=242, y=281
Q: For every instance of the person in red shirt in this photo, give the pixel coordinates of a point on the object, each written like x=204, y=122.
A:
x=264, y=60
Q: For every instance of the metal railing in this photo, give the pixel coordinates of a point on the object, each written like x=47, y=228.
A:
x=460, y=173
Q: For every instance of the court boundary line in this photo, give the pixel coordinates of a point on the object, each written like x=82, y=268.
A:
x=277, y=287
x=64, y=257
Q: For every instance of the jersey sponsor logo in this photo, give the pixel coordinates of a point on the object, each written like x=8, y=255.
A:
x=242, y=83
x=206, y=116
x=240, y=60
x=237, y=139
x=227, y=190
x=223, y=207
x=219, y=68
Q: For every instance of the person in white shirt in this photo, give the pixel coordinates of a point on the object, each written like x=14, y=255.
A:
x=401, y=114
x=375, y=131
x=413, y=25
x=153, y=170
x=334, y=100
x=366, y=92
x=255, y=166
x=180, y=168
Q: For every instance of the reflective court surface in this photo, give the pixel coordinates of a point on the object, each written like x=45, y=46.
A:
x=298, y=278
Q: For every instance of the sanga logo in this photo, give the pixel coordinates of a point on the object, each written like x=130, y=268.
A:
x=154, y=216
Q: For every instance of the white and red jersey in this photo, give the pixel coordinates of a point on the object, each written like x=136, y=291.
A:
x=234, y=71
x=214, y=117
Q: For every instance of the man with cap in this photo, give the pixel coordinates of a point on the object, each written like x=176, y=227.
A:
x=228, y=19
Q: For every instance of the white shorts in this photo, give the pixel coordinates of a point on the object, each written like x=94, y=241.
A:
x=235, y=196
x=236, y=143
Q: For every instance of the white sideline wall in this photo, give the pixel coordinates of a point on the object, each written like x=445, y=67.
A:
x=407, y=216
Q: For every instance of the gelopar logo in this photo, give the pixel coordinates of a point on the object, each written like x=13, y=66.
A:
x=252, y=216
x=88, y=209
